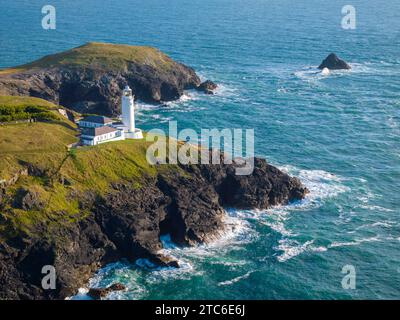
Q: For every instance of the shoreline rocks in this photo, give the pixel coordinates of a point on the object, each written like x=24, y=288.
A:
x=207, y=87
x=98, y=293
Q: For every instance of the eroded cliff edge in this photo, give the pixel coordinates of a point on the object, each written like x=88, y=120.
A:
x=126, y=222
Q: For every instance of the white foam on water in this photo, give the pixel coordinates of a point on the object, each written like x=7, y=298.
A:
x=322, y=186
x=237, y=232
x=313, y=74
x=234, y=280
x=183, y=104
x=160, y=118
x=291, y=248
x=157, y=273
x=355, y=242
x=376, y=208
x=226, y=91
x=276, y=219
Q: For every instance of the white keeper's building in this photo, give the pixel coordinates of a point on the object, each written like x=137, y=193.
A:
x=94, y=136
x=99, y=129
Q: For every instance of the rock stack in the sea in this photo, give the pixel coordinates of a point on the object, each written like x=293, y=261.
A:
x=98, y=293
x=208, y=87
x=333, y=62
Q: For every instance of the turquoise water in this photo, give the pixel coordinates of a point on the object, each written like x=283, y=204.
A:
x=339, y=134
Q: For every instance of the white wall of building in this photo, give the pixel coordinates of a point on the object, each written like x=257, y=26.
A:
x=107, y=137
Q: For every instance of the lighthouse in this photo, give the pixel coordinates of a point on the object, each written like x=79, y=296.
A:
x=128, y=115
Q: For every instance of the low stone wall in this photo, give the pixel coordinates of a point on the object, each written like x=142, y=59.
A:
x=17, y=122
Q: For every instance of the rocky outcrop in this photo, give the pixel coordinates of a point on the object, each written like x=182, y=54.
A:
x=333, y=62
x=129, y=219
x=98, y=293
x=208, y=87
x=89, y=79
x=28, y=200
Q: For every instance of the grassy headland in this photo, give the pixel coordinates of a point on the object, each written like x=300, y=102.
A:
x=102, y=56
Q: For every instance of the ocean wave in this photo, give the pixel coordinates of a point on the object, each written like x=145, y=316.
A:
x=376, y=208
x=185, y=102
x=157, y=273
x=354, y=242
x=291, y=248
x=323, y=185
x=234, y=280
x=236, y=233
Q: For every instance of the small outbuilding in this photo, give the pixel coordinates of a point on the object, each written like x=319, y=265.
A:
x=95, y=122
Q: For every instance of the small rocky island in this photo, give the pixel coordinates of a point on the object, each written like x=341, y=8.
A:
x=89, y=78
x=333, y=62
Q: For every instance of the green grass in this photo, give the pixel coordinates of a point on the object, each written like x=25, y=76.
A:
x=87, y=169
x=26, y=108
x=43, y=144
x=15, y=101
x=104, y=56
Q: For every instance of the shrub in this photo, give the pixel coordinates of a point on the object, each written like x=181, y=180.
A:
x=25, y=112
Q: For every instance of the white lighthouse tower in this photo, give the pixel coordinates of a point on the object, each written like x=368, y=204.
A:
x=128, y=115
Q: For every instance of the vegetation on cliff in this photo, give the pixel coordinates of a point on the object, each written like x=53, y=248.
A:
x=101, y=56
x=26, y=108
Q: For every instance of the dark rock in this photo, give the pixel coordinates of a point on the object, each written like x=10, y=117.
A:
x=28, y=200
x=2, y=197
x=333, y=62
x=207, y=87
x=117, y=287
x=165, y=261
x=98, y=293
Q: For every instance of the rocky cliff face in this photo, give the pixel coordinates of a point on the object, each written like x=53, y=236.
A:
x=128, y=221
x=89, y=79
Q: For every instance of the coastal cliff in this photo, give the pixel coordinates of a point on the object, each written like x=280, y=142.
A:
x=89, y=78
x=79, y=209
x=128, y=220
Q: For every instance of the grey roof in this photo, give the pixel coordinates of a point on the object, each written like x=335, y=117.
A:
x=93, y=132
x=97, y=119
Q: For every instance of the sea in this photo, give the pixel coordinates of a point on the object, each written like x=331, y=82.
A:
x=339, y=134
